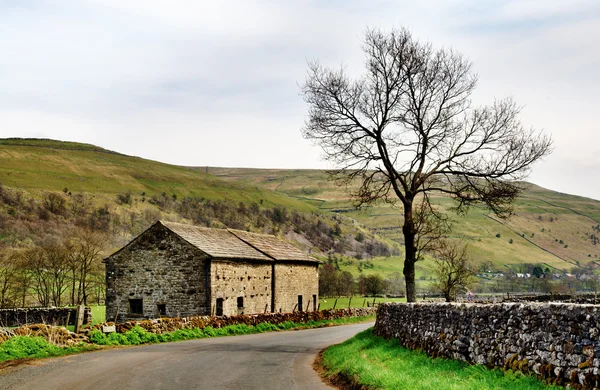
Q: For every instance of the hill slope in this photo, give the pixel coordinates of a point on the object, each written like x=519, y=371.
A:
x=49, y=165
x=548, y=227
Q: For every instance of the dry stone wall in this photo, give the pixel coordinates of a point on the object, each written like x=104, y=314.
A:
x=162, y=325
x=42, y=315
x=560, y=343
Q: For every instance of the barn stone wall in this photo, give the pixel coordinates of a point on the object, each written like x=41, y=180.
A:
x=231, y=280
x=292, y=280
x=161, y=269
x=560, y=343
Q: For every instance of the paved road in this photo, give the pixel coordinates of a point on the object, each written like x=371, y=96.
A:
x=277, y=360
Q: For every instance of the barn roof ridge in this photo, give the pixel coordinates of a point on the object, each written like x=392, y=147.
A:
x=217, y=243
x=237, y=244
x=272, y=246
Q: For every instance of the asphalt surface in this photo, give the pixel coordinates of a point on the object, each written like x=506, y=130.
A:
x=275, y=360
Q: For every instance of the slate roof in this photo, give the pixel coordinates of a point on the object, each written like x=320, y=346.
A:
x=217, y=243
x=237, y=244
x=273, y=246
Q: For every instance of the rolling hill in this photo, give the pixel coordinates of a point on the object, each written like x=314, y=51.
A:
x=49, y=165
x=548, y=227
x=559, y=231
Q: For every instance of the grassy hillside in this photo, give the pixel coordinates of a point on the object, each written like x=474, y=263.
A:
x=548, y=227
x=48, y=188
x=551, y=228
x=49, y=165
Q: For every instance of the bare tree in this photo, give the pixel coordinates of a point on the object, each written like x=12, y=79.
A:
x=49, y=270
x=8, y=279
x=407, y=128
x=83, y=250
x=452, y=270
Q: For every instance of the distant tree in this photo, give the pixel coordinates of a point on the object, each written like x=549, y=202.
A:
x=333, y=282
x=83, y=249
x=124, y=197
x=49, y=270
x=395, y=284
x=8, y=279
x=54, y=202
x=538, y=272
x=408, y=128
x=374, y=285
x=452, y=270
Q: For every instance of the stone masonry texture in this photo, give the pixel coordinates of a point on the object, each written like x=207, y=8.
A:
x=292, y=280
x=559, y=343
x=160, y=269
x=231, y=280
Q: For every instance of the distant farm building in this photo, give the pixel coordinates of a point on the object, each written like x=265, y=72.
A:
x=175, y=270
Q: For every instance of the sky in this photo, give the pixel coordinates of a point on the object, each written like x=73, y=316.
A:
x=217, y=83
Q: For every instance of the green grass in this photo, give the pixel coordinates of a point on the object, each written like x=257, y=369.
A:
x=344, y=302
x=383, y=364
x=47, y=165
x=98, y=314
x=139, y=335
x=19, y=347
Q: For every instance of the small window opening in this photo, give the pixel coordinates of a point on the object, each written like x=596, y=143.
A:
x=136, y=306
x=219, y=307
x=162, y=309
x=240, y=302
x=299, y=302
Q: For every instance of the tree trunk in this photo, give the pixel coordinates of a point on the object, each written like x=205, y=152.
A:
x=447, y=296
x=411, y=252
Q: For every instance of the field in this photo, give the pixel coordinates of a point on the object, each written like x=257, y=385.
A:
x=547, y=227
x=342, y=302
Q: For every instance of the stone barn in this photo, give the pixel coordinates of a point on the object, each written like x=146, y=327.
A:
x=179, y=270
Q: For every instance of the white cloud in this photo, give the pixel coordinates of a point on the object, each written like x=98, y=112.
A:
x=215, y=83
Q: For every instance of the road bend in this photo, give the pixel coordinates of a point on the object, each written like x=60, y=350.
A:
x=274, y=360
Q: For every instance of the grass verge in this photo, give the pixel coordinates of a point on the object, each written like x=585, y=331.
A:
x=20, y=347
x=368, y=361
x=139, y=335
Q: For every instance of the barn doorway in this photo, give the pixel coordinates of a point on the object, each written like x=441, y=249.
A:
x=219, y=307
x=300, y=303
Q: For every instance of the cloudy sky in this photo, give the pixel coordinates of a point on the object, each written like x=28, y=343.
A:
x=216, y=83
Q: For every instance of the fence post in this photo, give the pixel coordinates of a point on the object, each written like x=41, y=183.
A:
x=68, y=318
x=79, y=320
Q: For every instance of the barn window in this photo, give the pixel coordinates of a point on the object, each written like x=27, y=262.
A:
x=136, y=306
x=240, y=302
x=162, y=309
x=299, y=302
x=219, y=307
